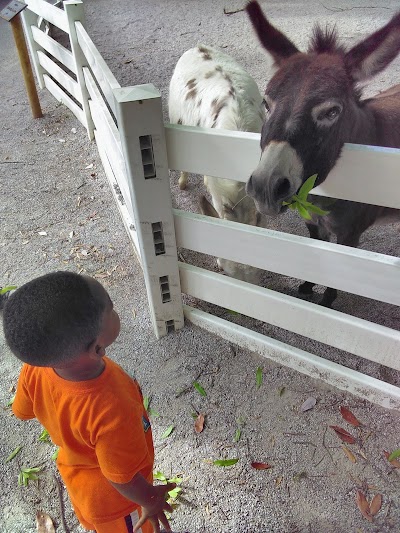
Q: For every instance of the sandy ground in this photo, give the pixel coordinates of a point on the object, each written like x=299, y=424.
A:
x=48, y=184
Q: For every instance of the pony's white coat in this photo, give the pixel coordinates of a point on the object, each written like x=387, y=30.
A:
x=210, y=89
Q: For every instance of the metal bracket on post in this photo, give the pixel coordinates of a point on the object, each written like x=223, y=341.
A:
x=75, y=13
x=141, y=127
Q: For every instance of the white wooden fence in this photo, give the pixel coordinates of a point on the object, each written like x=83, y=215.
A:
x=137, y=150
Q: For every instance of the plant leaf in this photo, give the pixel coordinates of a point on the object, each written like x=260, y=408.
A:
x=11, y=401
x=44, y=523
x=281, y=390
x=343, y=434
x=44, y=436
x=315, y=209
x=308, y=404
x=13, y=454
x=393, y=462
x=307, y=186
x=363, y=505
x=55, y=454
x=160, y=476
x=167, y=432
x=146, y=402
x=225, y=462
x=259, y=377
x=261, y=466
x=394, y=455
x=349, y=454
x=238, y=434
x=349, y=417
x=7, y=289
x=199, y=388
x=375, y=505
x=199, y=423
x=303, y=211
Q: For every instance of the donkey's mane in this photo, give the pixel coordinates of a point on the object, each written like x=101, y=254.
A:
x=325, y=40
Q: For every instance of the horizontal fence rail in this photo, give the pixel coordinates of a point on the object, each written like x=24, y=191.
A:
x=352, y=270
x=354, y=335
x=368, y=174
x=339, y=376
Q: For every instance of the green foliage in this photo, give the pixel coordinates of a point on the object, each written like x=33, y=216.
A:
x=299, y=201
x=44, y=436
x=168, y=432
x=7, y=289
x=146, y=404
x=55, y=454
x=225, y=462
x=28, y=474
x=259, y=377
x=13, y=454
x=394, y=455
x=199, y=388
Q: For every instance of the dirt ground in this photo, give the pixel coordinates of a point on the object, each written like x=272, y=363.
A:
x=57, y=213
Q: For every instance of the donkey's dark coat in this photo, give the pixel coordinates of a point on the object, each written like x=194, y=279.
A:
x=313, y=107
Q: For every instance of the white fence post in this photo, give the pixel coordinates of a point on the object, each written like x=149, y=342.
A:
x=141, y=127
x=75, y=13
x=30, y=19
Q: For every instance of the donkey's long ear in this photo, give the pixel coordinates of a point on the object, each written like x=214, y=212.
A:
x=277, y=44
x=375, y=53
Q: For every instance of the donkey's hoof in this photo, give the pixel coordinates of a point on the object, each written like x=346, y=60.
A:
x=306, y=288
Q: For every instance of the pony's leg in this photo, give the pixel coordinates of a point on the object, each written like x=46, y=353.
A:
x=183, y=180
x=315, y=233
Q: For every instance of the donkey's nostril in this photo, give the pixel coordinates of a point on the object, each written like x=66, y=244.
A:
x=249, y=185
x=282, y=188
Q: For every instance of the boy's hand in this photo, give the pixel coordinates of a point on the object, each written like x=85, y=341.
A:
x=154, y=510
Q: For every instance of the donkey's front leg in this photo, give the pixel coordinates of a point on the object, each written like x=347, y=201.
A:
x=315, y=233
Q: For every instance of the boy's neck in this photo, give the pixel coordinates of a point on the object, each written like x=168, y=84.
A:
x=81, y=372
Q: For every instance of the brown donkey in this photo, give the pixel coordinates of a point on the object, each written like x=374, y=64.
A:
x=313, y=106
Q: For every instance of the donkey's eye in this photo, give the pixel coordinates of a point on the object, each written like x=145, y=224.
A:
x=330, y=113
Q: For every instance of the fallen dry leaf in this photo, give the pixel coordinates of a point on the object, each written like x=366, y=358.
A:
x=343, y=434
x=44, y=523
x=308, y=404
x=394, y=462
x=349, y=454
x=375, y=505
x=363, y=505
x=261, y=466
x=199, y=424
x=349, y=417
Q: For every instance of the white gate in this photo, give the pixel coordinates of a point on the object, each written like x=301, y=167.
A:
x=137, y=150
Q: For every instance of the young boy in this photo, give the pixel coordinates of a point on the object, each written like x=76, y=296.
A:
x=59, y=325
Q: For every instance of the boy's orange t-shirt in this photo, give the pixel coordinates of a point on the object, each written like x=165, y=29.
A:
x=101, y=428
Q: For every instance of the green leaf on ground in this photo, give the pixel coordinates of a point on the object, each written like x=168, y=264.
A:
x=44, y=436
x=168, y=432
x=394, y=455
x=199, y=388
x=13, y=454
x=238, y=434
x=259, y=377
x=225, y=462
x=7, y=289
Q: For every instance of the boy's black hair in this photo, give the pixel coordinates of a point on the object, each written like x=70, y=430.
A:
x=51, y=319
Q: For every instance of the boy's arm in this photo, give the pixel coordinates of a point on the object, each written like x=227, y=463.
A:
x=22, y=406
x=151, y=498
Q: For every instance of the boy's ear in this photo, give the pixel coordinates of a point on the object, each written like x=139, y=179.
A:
x=99, y=351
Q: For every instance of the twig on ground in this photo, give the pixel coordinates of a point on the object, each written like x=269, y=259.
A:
x=341, y=9
x=226, y=12
x=60, y=499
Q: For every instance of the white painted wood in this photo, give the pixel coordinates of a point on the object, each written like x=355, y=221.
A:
x=60, y=75
x=354, y=335
x=343, y=378
x=29, y=19
x=54, y=48
x=54, y=15
x=106, y=130
x=349, y=269
x=139, y=115
x=102, y=73
x=61, y=96
x=74, y=12
x=123, y=210
x=367, y=174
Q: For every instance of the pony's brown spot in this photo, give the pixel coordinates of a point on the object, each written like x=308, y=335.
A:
x=199, y=103
x=209, y=75
x=216, y=108
x=198, y=123
x=203, y=50
x=191, y=94
x=232, y=91
x=228, y=79
x=218, y=68
x=179, y=121
x=206, y=57
x=191, y=84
